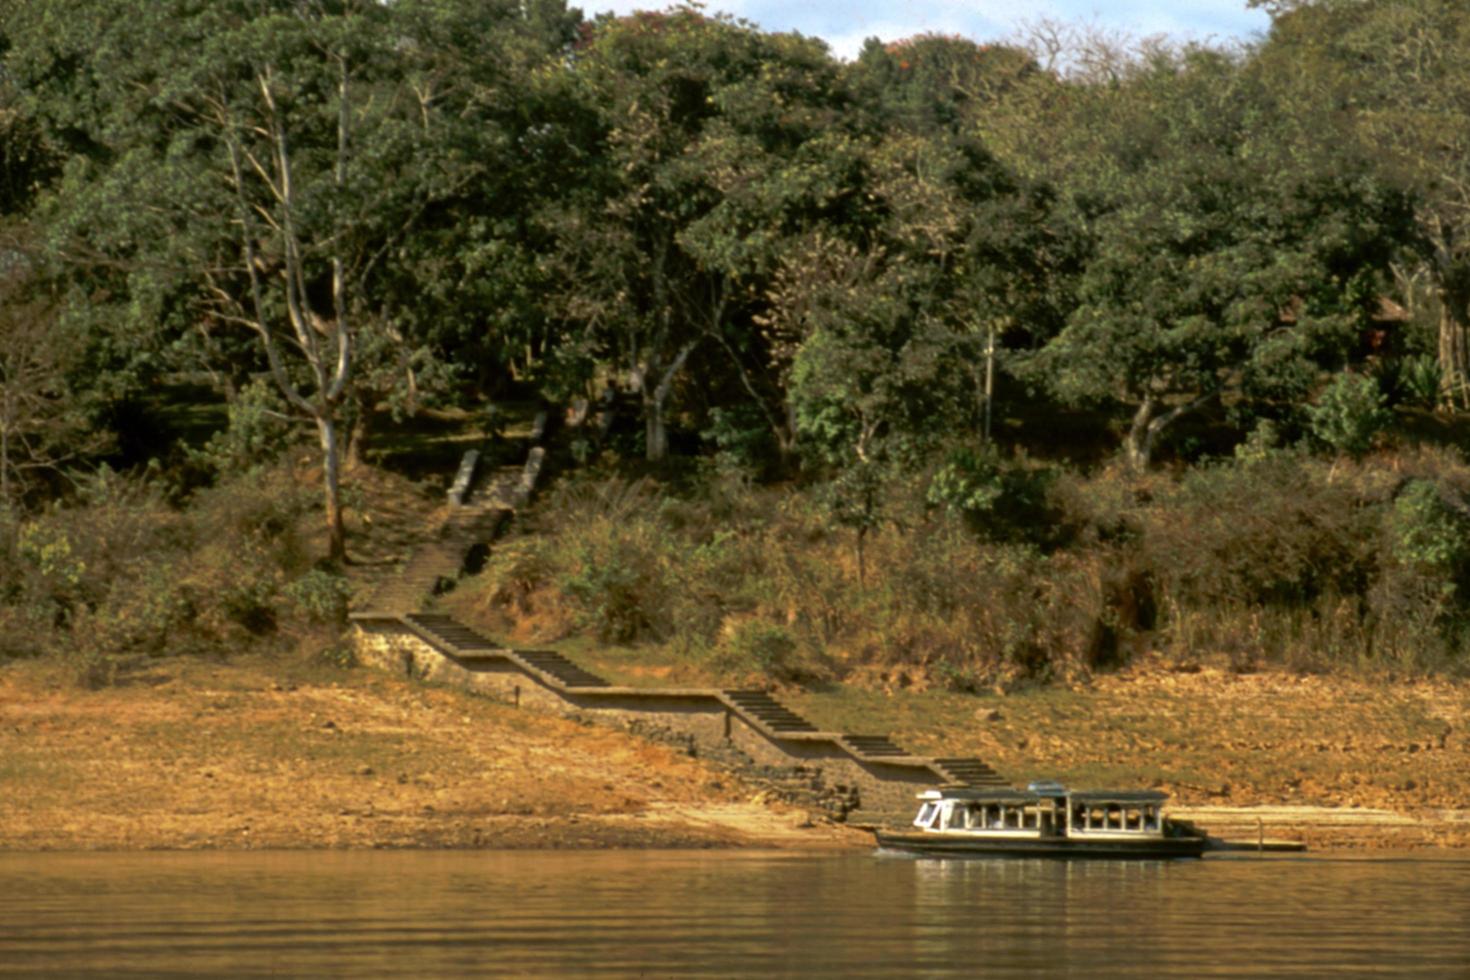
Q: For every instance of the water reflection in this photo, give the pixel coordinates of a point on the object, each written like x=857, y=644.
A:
x=703, y=914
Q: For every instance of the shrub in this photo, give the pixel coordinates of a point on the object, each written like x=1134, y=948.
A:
x=1349, y=414
x=259, y=429
x=1000, y=500
x=320, y=596
x=1428, y=533
x=1417, y=380
x=755, y=650
x=1277, y=532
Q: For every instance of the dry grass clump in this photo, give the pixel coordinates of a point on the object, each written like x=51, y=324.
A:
x=754, y=585
x=1280, y=559
x=121, y=571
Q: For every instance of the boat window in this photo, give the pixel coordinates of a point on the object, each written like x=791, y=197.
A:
x=926, y=813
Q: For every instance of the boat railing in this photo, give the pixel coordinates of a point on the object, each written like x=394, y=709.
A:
x=1130, y=814
x=1080, y=814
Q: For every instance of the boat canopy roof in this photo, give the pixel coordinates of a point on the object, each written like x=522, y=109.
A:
x=1134, y=797
x=986, y=795
x=1141, y=797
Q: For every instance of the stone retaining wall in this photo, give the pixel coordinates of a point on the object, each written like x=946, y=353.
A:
x=713, y=728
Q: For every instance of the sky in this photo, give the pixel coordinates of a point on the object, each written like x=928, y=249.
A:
x=845, y=24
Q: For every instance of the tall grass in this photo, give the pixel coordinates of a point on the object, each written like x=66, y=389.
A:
x=753, y=584
x=1283, y=559
x=120, y=570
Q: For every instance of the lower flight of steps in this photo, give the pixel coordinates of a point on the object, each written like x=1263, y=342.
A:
x=768, y=711
x=969, y=772
x=457, y=639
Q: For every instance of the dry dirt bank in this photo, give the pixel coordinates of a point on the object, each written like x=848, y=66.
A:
x=263, y=753
x=1336, y=761
x=281, y=753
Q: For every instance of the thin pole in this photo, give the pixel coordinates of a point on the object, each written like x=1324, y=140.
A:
x=989, y=375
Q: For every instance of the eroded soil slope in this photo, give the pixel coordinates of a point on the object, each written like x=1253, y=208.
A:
x=265, y=754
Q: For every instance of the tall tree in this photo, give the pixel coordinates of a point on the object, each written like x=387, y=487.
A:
x=42, y=426
x=1226, y=256
x=1398, y=71
x=260, y=164
x=702, y=155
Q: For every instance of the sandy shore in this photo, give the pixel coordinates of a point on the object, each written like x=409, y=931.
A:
x=285, y=753
x=269, y=754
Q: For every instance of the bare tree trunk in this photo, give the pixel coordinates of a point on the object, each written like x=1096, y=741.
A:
x=358, y=432
x=655, y=428
x=989, y=380
x=1147, y=426
x=4, y=463
x=7, y=412
x=332, y=488
x=656, y=431
x=1454, y=354
x=1139, y=447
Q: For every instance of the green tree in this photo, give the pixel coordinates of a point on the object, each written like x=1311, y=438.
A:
x=702, y=158
x=1398, y=71
x=1225, y=255
x=42, y=427
x=264, y=165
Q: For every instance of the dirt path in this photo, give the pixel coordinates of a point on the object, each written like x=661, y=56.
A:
x=270, y=754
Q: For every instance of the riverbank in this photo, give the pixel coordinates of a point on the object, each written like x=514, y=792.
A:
x=1339, y=762
x=280, y=752
x=289, y=752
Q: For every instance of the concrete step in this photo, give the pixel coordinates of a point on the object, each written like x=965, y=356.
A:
x=969, y=771
x=449, y=632
x=761, y=707
x=555, y=665
x=874, y=745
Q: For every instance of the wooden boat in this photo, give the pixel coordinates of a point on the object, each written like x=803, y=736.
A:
x=1045, y=820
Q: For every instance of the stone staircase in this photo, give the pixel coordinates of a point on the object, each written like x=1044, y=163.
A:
x=758, y=708
x=874, y=746
x=449, y=633
x=482, y=502
x=558, y=668
x=969, y=772
x=766, y=712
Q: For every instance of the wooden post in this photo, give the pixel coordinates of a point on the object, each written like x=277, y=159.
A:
x=989, y=377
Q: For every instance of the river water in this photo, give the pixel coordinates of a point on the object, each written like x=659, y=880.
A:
x=653, y=914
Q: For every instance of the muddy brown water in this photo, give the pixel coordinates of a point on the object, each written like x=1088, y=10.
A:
x=656, y=914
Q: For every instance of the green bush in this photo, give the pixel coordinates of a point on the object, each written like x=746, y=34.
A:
x=756, y=650
x=1417, y=380
x=259, y=429
x=1430, y=534
x=119, y=569
x=1283, y=558
x=1350, y=413
x=1001, y=500
x=757, y=581
x=320, y=596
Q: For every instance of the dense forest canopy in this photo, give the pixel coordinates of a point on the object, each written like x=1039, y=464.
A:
x=354, y=197
x=916, y=262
